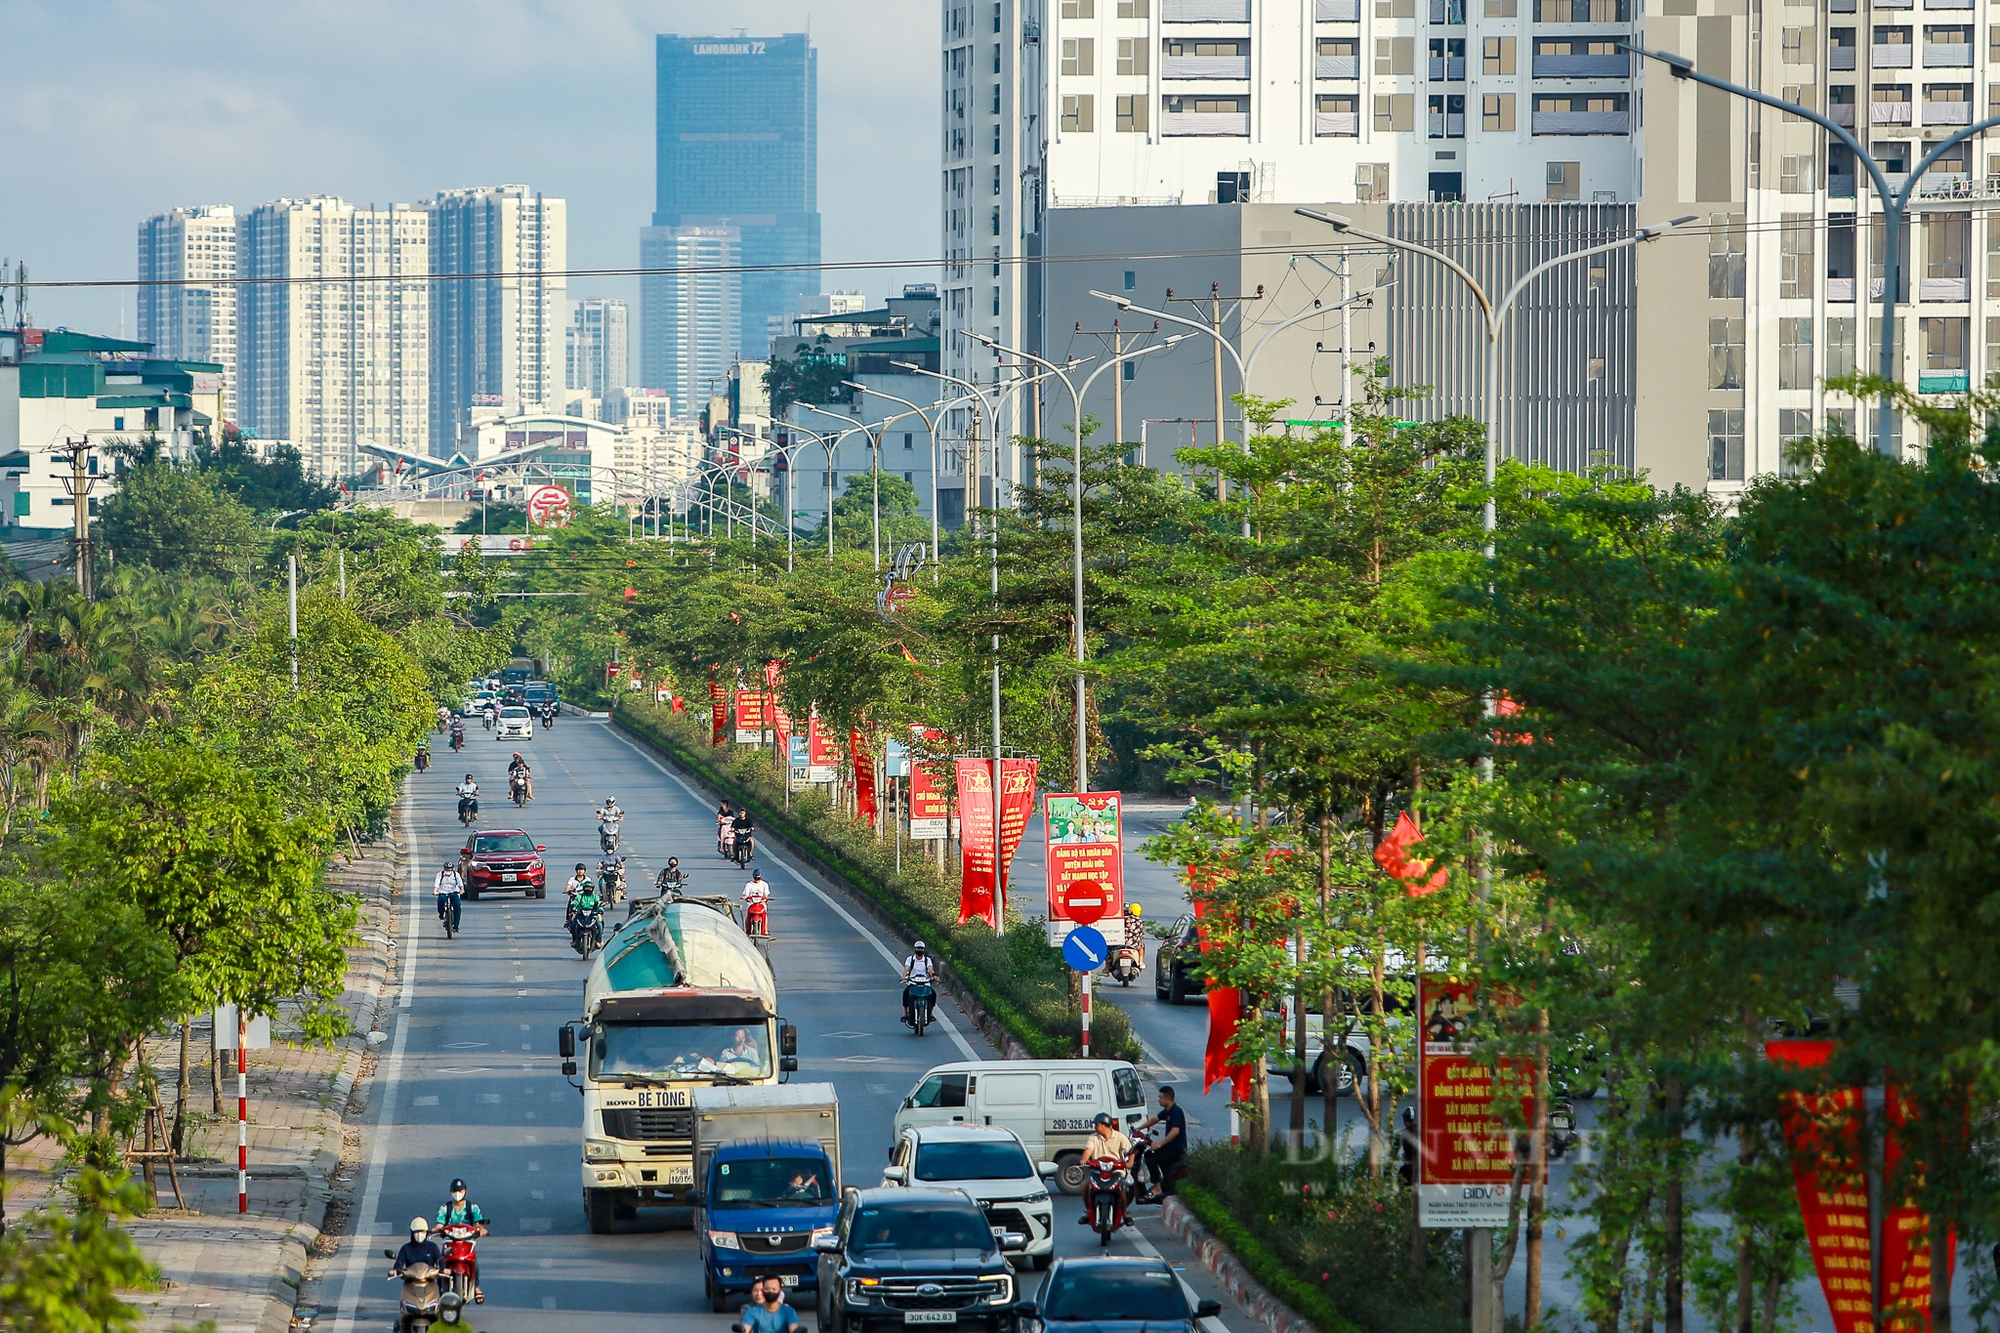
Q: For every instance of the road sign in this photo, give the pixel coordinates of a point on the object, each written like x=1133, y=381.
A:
x=1084, y=949
x=1085, y=901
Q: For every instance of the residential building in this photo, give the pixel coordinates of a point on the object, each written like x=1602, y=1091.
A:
x=497, y=338
x=339, y=351
x=181, y=316
x=597, y=344
x=640, y=409
x=738, y=148
x=692, y=297
x=657, y=460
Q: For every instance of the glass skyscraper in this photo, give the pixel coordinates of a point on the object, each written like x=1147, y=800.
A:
x=738, y=126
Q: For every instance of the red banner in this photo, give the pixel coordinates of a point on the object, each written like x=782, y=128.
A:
x=1466, y=1145
x=864, y=779
x=1086, y=842
x=930, y=798
x=1822, y=1132
x=1225, y=1011
x=1393, y=855
x=718, y=704
x=750, y=717
x=975, y=813
x=822, y=760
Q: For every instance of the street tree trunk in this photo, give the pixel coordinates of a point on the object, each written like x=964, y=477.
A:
x=1674, y=1248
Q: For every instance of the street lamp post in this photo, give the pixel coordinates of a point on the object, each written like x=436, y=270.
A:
x=1076, y=504
x=930, y=430
x=787, y=451
x=882, y=429
x=1895, y=203
x=830, y=455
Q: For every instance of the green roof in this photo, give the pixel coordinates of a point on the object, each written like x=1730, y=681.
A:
x=892, y=345
x=63, y=340
x=60, y=377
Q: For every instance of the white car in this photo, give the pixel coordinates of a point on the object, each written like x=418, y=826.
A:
x=478, y=704
x=515, y=724
x=990, y=1165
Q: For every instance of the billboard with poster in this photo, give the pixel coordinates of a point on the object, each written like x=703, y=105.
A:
x=1085, y=842
x=1466, y=1141
x=751, y=713
x=930, y=792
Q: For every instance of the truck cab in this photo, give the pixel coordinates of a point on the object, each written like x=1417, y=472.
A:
x=767, y=1160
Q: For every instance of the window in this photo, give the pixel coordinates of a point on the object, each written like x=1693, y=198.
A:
x=1565, y=181
x=1132, y=113
x=909, y=439
x=1595, y=370
x=1131, y=280
x=1496, y=55
x=1077, y=114
x=1992, y=346
x=1947, y=244
x=1725, y=353
x=1725, y=256
x=1795, y=257
x=1583, y=11
x=1079, y=55
x=1839, y=348
x=1447, y=116
x=1993, y=260
x=1840, y=423
x=1371, y=182
x=1795, y=173
x=1795, y=354
x=1496, y=112
x=1079, y=9
x=1794, y=440
x=1232, y=187
x=1944, y=344
x=1208, y=46
x=1725, y=445
x=1800, y=45
x=1395, y=55
x=1396, y=113
x=1895, y=430
x=1339, y=114
x=1395, y=9
x=1132, y=55
x=1500, y=9
x=1799, y=94
x=1134, y=9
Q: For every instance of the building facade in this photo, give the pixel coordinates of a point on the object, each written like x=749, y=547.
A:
x=596, y=346
x=497, y=333
x=738, y=148
x=182, y=317
x=692, y=296
x=339, y=351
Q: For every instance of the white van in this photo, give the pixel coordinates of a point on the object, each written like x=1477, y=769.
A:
x=1050, y=1104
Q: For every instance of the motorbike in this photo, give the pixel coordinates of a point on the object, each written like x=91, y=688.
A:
x=923, y=1005
x=611, y=884
x=548, y=719
x=1562, y=1126
x=519, y=788
x=1104, y=1181
x=586, y=932
x=607, y=835
x=1127, y=963
x=461, y=1241
x=423, y=758
x=743, y=848
x=757, y=918
x=1142, y=1145
x=418, y=1308
x=486, y=719
x=468, y=809
x=457, y=739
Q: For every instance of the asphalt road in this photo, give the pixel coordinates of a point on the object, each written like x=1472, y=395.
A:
x=468, y=1081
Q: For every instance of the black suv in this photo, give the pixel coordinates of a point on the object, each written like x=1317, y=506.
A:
x=1177, y=963
x=914, y=1256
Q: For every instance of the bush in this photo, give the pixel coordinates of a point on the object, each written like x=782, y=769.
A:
x=1016, y=978
x=1328, y=1239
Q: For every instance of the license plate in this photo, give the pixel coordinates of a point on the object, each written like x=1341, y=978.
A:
x=680, y=1175
x=789, y=1279
x=930, y=1316
x=507, y=877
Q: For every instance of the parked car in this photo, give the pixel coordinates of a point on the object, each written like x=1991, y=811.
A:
x=504, y=861
x=992, y=1167
x=1087, y=1295
x=915, y=1256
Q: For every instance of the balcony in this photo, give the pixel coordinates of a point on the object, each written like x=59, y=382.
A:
x=1944, y=289
x=1892, y=55
x=1337, y=11
x=1447, y=125
x=1840, y=57
x=1840, y=291
x=1208, y=11
x=1205, y=124
x=1581, y=67
x=1947, y=113
x=1447, y=69
x=1841, y=114
x=1946, y=55
x=1337, y=67
x=1205, y=67
x=1944, y=381
x=1583, y=122
x=1892, y=113
x=1338, y=124
x=1448, y=11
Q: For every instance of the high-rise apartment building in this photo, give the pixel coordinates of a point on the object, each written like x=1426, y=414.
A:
x=693, y=300
x=596, y=348
x=184, y=318
x=497, y=334
x=738, y=135
x=339, y=353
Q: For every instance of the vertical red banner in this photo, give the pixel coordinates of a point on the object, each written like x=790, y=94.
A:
x=930, y=798
x=975, y=813
x=864, y=778
x=718, y=705
x=751, y=715
x=822, y=760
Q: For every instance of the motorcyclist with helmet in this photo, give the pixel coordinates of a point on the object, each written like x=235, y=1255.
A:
x=671, y=880
x=756, y=904
x=457, y=1211
x=1107, y=1141
x=468, y=798
x=579, y=883
x=421, y=1249
x=519, y=766
x=919, y=968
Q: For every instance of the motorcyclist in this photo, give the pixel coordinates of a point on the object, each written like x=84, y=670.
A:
x=468, y=797
x=1107, y=1140
x=768, y=1311
x=744, y=829
x=1135, y=927
x=918, y=967
x=608, y=816
x=577, y=884
x=461, y=1211
x=519, y=765
x=444, y=717
x=421, y=1249
x=423, y=755
x=671, y=880
x=448, y=886
x=457, y=733
x=610, y=873
x=756, y=894
x=1165, y=1157
x=488, y=716
x=586, y=900
x=725, y=830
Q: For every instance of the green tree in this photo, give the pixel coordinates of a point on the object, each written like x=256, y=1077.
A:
x=61, y=1270
x=268, y=480
x=178, y=519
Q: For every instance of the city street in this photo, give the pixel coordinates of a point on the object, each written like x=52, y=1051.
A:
x=468, y=1081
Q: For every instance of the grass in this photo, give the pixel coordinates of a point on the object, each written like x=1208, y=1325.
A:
x=1017, y=978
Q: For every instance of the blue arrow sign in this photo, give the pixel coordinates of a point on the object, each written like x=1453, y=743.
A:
x=1084, y=948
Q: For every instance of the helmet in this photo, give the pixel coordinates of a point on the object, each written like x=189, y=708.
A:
x=419, y=1227
x=1133, y=909
x=457, y=1186
x=1104, y=1118
x=918, y=946
x=450, y=1306
x=673, y=860
x=756, y=874
x=579, y=865
x=517, y=754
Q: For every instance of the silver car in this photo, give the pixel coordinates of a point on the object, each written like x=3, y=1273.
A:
x=989, y=1164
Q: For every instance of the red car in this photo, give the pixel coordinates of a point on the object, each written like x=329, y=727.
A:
x=502, y=861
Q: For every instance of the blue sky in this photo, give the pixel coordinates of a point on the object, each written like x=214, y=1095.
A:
x=118, y=110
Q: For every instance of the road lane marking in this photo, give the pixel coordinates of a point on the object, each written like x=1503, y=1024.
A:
x=895, y=964
x=1146, y=1248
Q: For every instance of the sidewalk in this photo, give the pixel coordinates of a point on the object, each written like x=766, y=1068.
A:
x=243, y=1271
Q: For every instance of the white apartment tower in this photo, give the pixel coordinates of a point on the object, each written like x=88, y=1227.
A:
x=693, y=288
x=184, y=318
x=597, y=350
x=497, y=308
x=339, y=353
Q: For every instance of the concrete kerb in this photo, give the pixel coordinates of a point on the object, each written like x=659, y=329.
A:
x=1245, y=1290
x=989, y=1027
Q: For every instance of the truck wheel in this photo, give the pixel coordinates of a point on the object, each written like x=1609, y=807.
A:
x=1069, y=1173
x=601, y=1209
x=718, y=1300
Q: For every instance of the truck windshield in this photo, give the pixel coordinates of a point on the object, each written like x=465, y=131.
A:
x=693, y=1051
x=918, y=1227
x=972, y=1161
x=771, y=1182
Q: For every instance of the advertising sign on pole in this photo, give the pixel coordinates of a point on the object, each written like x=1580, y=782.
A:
x=930, y=800
x=797, y=759
x=1085, y=845
x=864, y=778
x=822, y=760
x=975, y=812
x=1465, y=1143
x=750, y=717
x=895, y=759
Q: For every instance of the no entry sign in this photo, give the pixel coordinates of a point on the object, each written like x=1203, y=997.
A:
x=1085, y=902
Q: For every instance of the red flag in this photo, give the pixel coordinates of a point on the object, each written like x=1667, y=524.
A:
x=680, y=704
x=1225, y=1010
x=1506, y=707
x=1393, y=857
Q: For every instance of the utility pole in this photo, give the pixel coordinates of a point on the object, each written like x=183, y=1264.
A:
x=1116, y=333
x=1215, y=300
x=293, y=561
x=77, y=483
